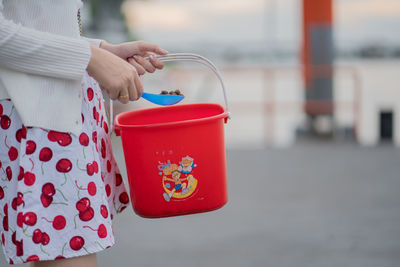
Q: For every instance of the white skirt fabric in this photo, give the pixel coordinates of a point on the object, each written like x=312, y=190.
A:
x=58, y=192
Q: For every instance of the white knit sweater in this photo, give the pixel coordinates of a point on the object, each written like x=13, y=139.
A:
x=42, y=61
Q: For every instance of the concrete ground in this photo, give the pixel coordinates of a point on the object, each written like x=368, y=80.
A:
x=321, y=205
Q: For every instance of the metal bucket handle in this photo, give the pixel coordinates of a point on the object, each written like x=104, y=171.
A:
x=185, y=57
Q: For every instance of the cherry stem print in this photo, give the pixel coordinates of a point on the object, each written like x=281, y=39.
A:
x=33, y=164
x=98, y=243
x=58, y=222
x=101, y=231
x=64, y=166
x=24, y=232
x=41, y=248
x=77, y=165
x=91, y=188
x=12, y=110
x=62, y=251
x=66, y=199
x=75, y=220
x=27, y=192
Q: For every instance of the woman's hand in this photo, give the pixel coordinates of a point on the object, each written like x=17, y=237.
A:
x=119, y=78
x=135, y=53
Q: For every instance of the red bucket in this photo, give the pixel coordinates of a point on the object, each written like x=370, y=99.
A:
x=175, y=158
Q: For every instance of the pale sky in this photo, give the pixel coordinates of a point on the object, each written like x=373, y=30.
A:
x=277, y=22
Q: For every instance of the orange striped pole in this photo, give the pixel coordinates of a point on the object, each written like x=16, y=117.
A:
x=317, y=56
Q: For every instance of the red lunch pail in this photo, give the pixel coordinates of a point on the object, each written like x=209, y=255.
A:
x=175, y=155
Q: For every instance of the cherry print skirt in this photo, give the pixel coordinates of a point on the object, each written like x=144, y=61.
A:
x=58, y=191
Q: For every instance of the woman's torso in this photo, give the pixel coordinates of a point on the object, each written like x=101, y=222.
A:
x=54, y=16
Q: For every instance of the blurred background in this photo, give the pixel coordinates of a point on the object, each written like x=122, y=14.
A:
x=312, y=146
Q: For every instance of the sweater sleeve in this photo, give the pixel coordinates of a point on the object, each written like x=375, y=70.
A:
x=41, y=53
x=95, y=42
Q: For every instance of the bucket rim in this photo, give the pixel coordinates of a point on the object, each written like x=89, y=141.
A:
x=223, y=115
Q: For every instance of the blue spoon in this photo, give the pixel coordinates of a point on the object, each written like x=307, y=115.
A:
x=164, y=100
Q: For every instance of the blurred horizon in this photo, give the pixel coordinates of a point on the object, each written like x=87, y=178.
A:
x=269, y=29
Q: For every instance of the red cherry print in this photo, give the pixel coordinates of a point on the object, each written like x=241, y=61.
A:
x=84, y=139
x=14, y=238
x=45, y=239
x=3, y=239
x=20, y=219
x=20, y=199
x=32, y=258
x=13, y=153
x=123, y=198
x=18, y=135
x=48, y=189
x=118, y=179
x=5, y=122
x=92, y=188
x=59, y=257
x=82, y=204
x=105, y=126
x=11, y=261
x=101, y=231
x=94, y=137
x=5, y=223
x=108, y=166
x=59, y=222
x=64, y=165
x=24, y=131
x=52, y=136
x=14, y=203
x=21, y=173
x=90, y=94
x=5, y=209
x=87, y=215
x=37, y=236
x=95, y=166
x=103, y=148
x=101, y=121
x=45, y=154
x=46, y=200
x=30, y=218
x=9, y=173
x=104, y=211
x=89, y=169
x=29, y=178
x=83, y=118
x=63, y=139
x=20, y=248
x=76, y=242
x=108, y=190
x=1, y=193
x=30, y=147
x=95, y=113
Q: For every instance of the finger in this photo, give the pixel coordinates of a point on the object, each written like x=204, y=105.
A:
x=113, y=94
x=140, y=70
x=139, y=87
x=133, y=95
x=148, y=47
x=123, y=96
x=145, y=64
x=156, y=62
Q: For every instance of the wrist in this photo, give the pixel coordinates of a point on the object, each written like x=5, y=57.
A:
x=109, y=47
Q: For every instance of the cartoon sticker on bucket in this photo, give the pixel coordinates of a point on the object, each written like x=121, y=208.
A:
x=178, y=181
